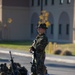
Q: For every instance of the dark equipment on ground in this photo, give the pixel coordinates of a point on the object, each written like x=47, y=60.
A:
x=14, y=68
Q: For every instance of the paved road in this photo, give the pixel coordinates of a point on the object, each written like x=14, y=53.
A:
x=54, y=68
x=66, y=59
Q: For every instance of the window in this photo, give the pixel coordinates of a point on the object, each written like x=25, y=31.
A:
x=67, y=29
x=68, y=1
x=60, y=29
x=38, y=2
x=31, y=28
x=52, y=2
x=52, y=26
x=32, y=3
x=61, y=1
x=46, y=2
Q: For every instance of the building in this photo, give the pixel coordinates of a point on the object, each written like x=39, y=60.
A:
x=19, y=19
x=18, y=11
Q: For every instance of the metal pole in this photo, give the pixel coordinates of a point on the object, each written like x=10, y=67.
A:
x=41, y=5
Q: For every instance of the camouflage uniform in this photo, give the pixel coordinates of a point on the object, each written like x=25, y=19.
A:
x=39, y=45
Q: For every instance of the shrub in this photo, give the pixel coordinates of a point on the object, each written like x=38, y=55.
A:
x=67, y=53
x=58, y=51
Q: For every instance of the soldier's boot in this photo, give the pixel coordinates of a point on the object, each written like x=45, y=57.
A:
x=2, y=73
x=33, y=74
x=45, y=71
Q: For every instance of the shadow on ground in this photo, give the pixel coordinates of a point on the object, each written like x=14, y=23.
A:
x=4, y=60
x=60, y=66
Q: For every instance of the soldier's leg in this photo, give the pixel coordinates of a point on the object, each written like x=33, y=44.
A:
x=40, y=65
x=40, y=69
x=44, y=67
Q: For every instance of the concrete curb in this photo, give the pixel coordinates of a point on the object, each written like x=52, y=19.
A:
x=50, y=58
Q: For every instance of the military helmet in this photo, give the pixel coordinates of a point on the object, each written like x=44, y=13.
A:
x=42, y=26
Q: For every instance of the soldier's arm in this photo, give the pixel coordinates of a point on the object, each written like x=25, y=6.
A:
x=32, y=47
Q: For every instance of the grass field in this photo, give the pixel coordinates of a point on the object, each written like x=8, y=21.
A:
x=16, y=45
x=26, y=45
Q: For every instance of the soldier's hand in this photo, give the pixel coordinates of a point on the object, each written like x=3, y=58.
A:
x=30, y=50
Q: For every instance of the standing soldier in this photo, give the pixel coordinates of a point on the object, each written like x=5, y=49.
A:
x=39, y=45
